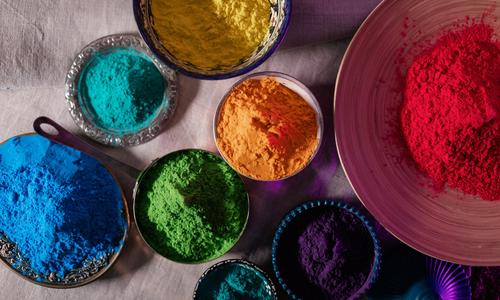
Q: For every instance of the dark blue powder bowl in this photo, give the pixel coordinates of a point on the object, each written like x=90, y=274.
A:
x=210, y=280
x=289, y=226
x=279, y=19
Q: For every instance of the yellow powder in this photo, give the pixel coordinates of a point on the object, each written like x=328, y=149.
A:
x=211, y=33
x=265, y=130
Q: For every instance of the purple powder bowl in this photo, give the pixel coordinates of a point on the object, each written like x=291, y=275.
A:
x=326, y=250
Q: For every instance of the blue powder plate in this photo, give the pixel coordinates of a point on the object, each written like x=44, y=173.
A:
x=83, y=115
x=59, y=203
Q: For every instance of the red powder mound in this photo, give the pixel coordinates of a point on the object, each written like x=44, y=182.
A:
x=451, y=113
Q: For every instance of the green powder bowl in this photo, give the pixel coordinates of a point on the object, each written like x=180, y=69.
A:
x=235, y=279
x=190, y=206
x=119, y=93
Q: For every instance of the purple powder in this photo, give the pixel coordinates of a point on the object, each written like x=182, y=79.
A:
x=326, y=253
x=336, y=253
x=485, y=282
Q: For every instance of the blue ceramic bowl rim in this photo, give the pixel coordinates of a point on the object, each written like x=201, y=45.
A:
x=244, y=262
x=227, y=75
x=299, y=210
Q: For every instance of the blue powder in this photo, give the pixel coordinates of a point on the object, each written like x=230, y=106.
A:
x=58, y=205
x=234, y=281
x=123, y=90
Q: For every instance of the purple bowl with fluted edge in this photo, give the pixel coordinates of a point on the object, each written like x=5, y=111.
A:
x=449, y=281
x=279, y=18
x=292, y=220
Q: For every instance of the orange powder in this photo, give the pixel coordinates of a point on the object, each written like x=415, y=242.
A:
x=265, y=130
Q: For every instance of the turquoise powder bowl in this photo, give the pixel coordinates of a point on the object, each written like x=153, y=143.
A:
x=118, y=93
x=234, y=279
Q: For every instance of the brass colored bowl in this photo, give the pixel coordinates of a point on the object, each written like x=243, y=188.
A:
x=137, y=190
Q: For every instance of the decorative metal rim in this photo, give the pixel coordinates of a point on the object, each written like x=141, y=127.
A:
x=139, y=19
x=315, y=105
x=103, y=135
x=96, y=268
x=293, y=214
x=251, y=265
x=137, y=190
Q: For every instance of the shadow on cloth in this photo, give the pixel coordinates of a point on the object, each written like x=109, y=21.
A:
x=187, y=89
x=270, y=201
x=135, y=252
x=325, y=20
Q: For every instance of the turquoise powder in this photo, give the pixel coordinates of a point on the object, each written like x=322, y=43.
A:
x=234, y=281
x=123, y=90
x=58, y=205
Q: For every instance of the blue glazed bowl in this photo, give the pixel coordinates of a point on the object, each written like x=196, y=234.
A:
x=307, y=209
x=449, y=281
x=279, y=18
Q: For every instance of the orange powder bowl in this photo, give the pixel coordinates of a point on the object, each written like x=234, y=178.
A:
x=268, y=126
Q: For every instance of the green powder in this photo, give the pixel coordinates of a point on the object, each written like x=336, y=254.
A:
x=191, y=206
x=123, y=90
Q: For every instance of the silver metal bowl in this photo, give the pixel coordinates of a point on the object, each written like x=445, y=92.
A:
x=84, y=118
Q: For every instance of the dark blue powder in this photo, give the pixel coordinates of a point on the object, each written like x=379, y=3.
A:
x=58, y=205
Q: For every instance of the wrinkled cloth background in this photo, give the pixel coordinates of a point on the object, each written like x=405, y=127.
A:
x=38, y=41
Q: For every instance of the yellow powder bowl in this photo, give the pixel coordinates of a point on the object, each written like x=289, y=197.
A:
x=212, y=39
x=268, y=126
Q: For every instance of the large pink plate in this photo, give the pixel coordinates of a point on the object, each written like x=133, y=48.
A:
x=445, y=224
